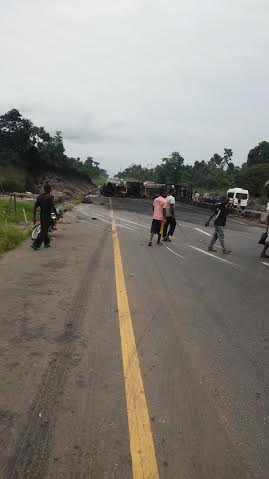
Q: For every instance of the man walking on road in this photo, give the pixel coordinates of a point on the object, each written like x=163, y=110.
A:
x=159, y=217
x=46, y=205
x=170, y=225
x=195, y=199
x=220, y=212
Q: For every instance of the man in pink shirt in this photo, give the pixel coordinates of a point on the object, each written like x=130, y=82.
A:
x=159, y=216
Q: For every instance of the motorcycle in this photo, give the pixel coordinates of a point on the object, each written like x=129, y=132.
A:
x=55, y=217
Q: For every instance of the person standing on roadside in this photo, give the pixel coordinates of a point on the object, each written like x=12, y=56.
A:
x=170, y=224
x=46, y=205
x=159, y=217
x=220, y=212
x=195, y=198
x=266, y=244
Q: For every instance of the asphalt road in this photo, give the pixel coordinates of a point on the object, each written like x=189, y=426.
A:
x=122, y=361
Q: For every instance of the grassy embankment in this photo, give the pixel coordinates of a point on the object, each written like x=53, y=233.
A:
x=13, y=228
x=99, y=180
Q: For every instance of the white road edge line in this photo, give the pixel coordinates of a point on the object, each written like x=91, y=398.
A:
x=132, y=222
x=210, y=254
x=127, y=227
x=103, y=218
x=174, y=252
x=201, y=231
x=238, y=222
x=265, y=264
x=121, y=219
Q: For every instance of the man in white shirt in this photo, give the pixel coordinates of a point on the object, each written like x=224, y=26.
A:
x=195, y=198
x=169, y=226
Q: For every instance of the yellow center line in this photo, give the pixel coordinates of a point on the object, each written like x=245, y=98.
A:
x=144, y=461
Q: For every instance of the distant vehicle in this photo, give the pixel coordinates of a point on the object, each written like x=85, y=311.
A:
x=152, y=190
x=113, y=187
x=238, y=197
x=148, y=189
x=209, y=198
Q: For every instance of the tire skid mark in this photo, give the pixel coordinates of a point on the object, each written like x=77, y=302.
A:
x=33, y=446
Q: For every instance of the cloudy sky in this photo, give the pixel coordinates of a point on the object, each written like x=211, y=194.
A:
x=132, y=80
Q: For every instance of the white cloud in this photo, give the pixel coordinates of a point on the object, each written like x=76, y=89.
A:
x=127, y=81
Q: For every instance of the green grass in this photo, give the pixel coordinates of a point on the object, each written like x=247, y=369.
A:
x=12, y=178
x=9, y=215
x=11, y=222
x=99, y=181
x=11, y=236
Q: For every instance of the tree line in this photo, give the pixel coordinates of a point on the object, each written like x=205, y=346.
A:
x=25, y=147
x=27, y=150
x=217, y=174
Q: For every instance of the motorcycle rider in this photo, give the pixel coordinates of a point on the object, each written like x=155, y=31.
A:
x=46, y=205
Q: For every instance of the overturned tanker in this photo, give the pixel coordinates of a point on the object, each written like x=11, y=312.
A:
x=122, y=189
x=152, y=190
x=148, y=189
x=113, y=187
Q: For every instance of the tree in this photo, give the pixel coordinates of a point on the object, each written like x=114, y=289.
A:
x=230, y=167
x=227, y=157
x=211, y=175
x=15, y=132
x=222, y=161
x=216, y=160
x=92, y=167
x=259, y=154
x=171, y=169
x=187, y=173
x=200, y=173
x=137, y=173
x=32, y=149
x=254, y=178
x=38, y=136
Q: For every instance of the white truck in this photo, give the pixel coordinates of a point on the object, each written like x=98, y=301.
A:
x=238, y=197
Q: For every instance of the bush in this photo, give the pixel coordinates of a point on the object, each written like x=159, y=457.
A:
x=12, y=178
x=253, y=178
x=9, y=215
x=10, y=236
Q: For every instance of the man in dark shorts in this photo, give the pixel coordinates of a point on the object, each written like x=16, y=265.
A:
x=220, y=212
x=159, y=216
x=170, y=225
x=46, y=205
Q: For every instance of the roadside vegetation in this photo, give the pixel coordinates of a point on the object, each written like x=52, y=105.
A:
x=99, y=180
x=8, y=213
x=11, y=236
x=13, y=228
x=27, y=151
x=216, y=175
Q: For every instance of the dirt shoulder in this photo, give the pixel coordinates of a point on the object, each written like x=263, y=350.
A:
x=52, y=305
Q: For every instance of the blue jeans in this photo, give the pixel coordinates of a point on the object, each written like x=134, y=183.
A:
x=218, y=234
